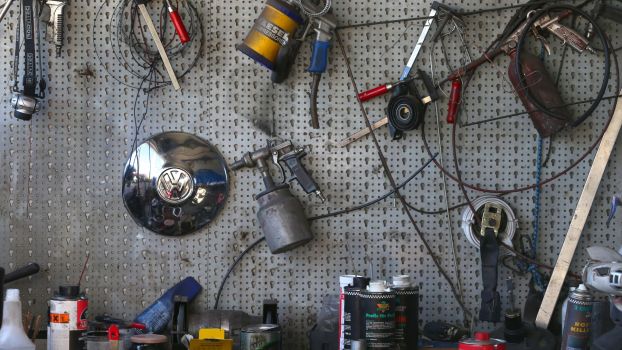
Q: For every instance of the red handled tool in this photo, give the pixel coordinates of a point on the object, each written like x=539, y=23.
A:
x=180, y=28
x=381, y=90
x=454, y=100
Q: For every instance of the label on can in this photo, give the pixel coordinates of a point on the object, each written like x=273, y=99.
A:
x=406, y=318
x=69, y=315
x=67, y=322
x=353, y=322
x=344, y=281
x=378, y=312
x=578, y=324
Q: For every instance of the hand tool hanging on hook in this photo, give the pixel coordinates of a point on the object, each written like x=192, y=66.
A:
x=277, y=34
x=55, y=21
x=158, y=42
x=533, y=82
x=404, y=77
x=406, y=109
x=567, y=35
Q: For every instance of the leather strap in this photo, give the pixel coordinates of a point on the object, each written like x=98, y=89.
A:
x=491, y=301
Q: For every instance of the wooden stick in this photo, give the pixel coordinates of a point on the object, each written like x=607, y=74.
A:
x=37, y=327
x=382, y=122
x=158, y=42
x=580, y=217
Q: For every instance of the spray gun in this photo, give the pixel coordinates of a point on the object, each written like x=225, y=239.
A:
x=56, y=23
x=541, y=86
x=281, y=215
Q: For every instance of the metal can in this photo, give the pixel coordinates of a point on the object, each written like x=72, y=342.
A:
x=378, y=310
x=67, y=319
x=482, y=341
x=346, y=281
x=261, y=337
x=578, y=320
x=406, y=313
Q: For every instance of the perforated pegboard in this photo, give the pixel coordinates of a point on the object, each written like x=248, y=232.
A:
x=62, y=171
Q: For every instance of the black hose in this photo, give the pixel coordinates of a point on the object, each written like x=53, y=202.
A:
x=22, y=272
x=315, y=86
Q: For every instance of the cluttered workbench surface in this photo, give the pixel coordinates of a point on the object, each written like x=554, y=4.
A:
x=79, y=175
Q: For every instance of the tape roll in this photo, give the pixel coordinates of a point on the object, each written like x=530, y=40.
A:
x=274, y=28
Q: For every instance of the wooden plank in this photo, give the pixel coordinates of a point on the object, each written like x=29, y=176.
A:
x=580, y=217
x=363, y=132
x=161, y=50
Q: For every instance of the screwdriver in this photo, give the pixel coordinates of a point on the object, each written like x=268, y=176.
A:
x=381, y=90
x=180, y=28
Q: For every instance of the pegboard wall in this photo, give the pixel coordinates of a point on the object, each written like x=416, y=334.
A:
x=62, y=171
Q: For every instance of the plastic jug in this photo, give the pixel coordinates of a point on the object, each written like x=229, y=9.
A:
x=12, y=335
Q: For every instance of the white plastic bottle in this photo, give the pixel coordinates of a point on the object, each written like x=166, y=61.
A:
x=12, y=335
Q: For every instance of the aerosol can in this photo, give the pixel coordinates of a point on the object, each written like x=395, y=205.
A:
x=578, y=320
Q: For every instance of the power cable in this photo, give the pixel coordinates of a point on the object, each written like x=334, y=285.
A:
x=459, y=13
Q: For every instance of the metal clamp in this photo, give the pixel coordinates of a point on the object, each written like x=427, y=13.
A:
x=508, y=223
x=491, y=218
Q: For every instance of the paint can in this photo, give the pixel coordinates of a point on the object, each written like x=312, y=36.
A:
x=344, y=282
x=578, y=320
x=406, y=313
x=261, y=337
x=377, y=306
x=482, y=341
x=67, y=319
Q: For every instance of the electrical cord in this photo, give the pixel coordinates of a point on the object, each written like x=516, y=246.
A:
x=458, y=13
x=131, y=46
x=479, y=122
x=314, y=218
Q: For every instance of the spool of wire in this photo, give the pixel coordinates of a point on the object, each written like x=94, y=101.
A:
x=130, y=46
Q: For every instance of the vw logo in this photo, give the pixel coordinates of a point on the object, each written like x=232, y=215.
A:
x=175, y=185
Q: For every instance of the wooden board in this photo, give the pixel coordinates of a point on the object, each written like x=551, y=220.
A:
x=161, y=49
x=580, y=217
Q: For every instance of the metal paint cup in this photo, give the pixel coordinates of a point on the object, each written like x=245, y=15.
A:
x=261, y=337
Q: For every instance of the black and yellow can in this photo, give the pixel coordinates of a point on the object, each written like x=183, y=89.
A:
x=274, y=28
